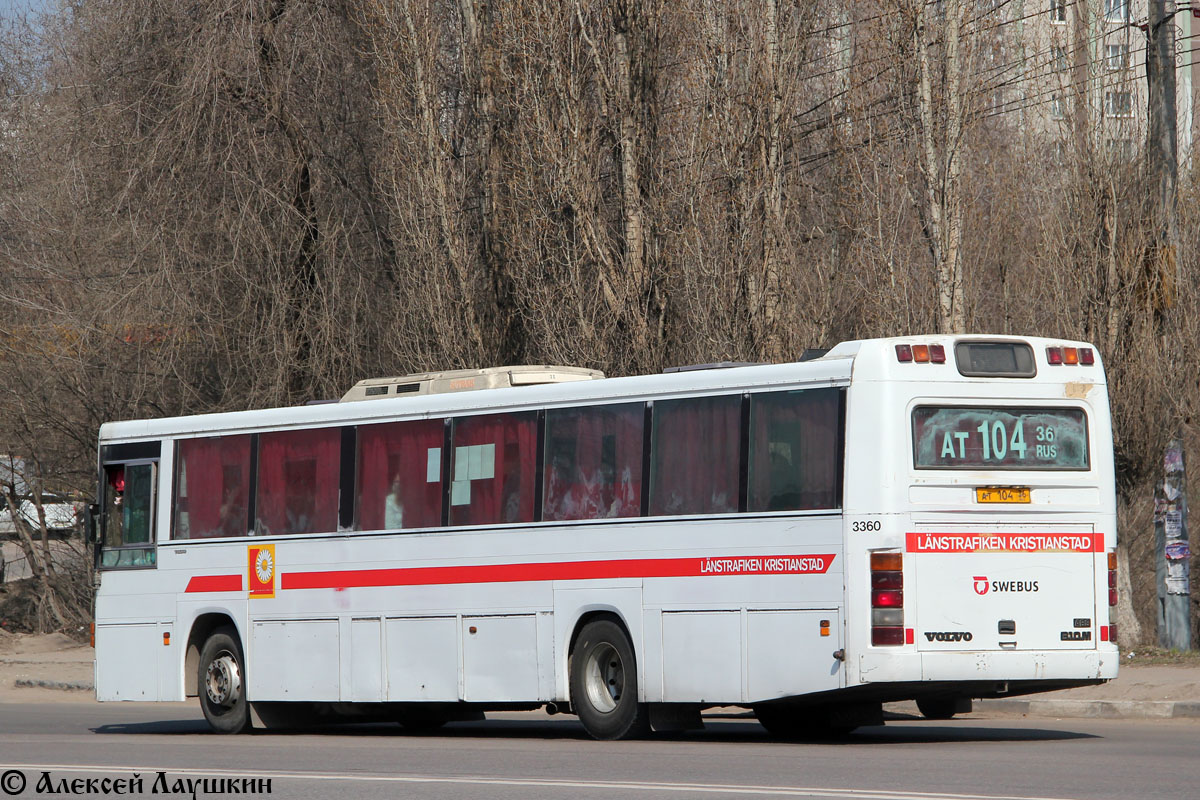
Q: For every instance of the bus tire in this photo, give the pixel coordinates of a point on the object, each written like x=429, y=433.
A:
x=938, y=707
x=222, y=682
x=604, y=686
x=420, y=722
x=791, y=722
x=788, y=722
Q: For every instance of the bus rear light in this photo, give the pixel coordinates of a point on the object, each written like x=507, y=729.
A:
x=937, y=354
x=1054, y=355
x=884, y=617
x=887, y=598
x=887, y=636
x=903, y=353
x=1086, y=357
x=891, y=562
x=1112, y=578
x=1112, y=632
x=1070, y=355
x=921, y=353
x=887, y=580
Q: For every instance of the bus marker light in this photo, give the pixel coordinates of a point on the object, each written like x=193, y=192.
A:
x=920, y=353
x=166, y=639
x=937, y=354
x=824, y=627
x=903, y=353
x=909, y=636
x=1086, y=357
x=1104, y=633
x=1070, y=355
x=1054, y=355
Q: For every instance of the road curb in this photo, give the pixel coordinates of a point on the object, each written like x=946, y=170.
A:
x=1098, y=709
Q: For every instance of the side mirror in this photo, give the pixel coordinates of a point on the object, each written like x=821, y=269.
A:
x=92, y=515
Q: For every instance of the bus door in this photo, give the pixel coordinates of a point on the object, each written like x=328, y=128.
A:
x=1004, y=586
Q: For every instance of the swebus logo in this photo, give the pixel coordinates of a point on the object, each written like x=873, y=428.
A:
x=983, y=585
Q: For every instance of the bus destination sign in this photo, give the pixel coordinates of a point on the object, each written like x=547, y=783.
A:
x=973, y=437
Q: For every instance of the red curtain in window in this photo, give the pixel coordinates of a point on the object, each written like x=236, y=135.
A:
x=506, y=496
x=212, y=487
x=394, y=490
x=593, y=462
x=793, y=461
x=695, y=454
x=298, y=481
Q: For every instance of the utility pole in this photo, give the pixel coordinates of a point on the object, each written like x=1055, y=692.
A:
x=1171, y=544
x=1162, y=149
x=1170, y=511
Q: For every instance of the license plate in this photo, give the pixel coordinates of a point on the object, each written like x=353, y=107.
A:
x=998, y=494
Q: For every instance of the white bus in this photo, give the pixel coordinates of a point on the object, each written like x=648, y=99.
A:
x=927, y=518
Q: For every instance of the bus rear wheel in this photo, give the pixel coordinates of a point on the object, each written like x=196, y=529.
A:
x=939, y=707
x=222, y=683
x=790, y=721
x=604, y=686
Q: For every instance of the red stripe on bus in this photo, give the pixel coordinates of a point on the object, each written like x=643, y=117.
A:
x=561, y=571
x=1005, y=543
x=215, y=583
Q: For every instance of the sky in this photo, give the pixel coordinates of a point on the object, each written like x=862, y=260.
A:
x=10, y=7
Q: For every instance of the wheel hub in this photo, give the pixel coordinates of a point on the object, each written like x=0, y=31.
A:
x=604, y=678
x=223, y=681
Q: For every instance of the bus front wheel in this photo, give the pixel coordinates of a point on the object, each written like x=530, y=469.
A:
x=222, y=683
x=604, y=687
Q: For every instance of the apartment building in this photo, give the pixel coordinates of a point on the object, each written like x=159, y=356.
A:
x=1081, y=71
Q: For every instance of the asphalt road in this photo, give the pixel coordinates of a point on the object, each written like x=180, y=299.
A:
x=534, y=756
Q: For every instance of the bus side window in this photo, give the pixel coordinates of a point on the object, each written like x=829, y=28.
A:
x=298, y=474
x=593, y=467
x=694, y=455
x=128, y=516
x=793, y=450
x=212, y=487
x=492, y=469
x=399, y=475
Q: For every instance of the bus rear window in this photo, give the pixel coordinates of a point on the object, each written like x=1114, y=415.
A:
x=1000, y=438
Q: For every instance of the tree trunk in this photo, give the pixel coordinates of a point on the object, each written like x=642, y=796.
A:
x=768, y=300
